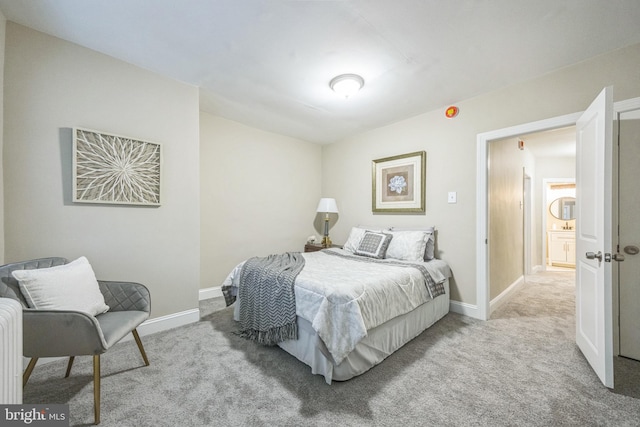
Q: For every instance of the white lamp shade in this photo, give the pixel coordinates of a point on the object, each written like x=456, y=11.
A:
x=327, y=205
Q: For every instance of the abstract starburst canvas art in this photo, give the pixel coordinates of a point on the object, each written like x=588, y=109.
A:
x=115, y=169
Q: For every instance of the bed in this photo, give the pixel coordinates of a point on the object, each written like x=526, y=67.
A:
x=357, y=305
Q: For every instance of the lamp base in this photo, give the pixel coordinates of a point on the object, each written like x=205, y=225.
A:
x=326, y=242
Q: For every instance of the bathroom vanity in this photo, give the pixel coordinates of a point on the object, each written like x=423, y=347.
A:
x=561, y=245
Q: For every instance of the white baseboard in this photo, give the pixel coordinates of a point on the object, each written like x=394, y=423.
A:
x=208, y=293
x=464, y=309
x=505, y=295
x=163, y=323
x=537, y=269
x=148, y=327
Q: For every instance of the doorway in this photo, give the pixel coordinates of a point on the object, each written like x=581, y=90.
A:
x=627, y=111
x=518, y=212
x=559, y=222
x=482, y=309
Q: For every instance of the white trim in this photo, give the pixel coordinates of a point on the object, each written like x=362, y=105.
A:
x=482, y=295
x=163, y=323
x=527, y=198
x=505, y=295
x=464, y=309
x=626, y=105
x=208, y=293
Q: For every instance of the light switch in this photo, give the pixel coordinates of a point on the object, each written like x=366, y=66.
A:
x=453, y=197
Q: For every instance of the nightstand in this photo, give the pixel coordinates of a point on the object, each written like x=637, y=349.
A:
x=312, y=247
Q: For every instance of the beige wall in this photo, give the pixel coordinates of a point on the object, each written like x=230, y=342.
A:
x=506, y=214
x=451, y=153
x=259, y=193
x=51, y=86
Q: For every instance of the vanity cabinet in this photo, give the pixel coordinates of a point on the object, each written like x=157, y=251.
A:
x=562, y=248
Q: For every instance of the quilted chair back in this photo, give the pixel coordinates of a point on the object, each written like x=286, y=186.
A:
x=9, y=287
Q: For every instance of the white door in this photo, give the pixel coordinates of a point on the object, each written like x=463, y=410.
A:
x=629, y=239
x=594, y=323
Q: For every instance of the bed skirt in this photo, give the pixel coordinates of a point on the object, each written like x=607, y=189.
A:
x=379, y=343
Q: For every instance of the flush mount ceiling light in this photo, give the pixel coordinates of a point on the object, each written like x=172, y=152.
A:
x=346, y=84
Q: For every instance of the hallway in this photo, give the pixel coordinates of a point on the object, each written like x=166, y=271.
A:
x=544, y=294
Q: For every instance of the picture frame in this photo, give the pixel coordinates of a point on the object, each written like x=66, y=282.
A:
x=398, y=183
x=114, y=169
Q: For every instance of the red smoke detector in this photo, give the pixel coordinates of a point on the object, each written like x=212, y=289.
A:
x=451, y=112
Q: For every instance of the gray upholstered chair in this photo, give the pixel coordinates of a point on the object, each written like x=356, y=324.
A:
x=65, y=333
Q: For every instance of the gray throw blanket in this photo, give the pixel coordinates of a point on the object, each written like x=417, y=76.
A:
x=268, y=303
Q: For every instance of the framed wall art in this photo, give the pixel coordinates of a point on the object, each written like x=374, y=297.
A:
x=114, y=169
x=398, y=183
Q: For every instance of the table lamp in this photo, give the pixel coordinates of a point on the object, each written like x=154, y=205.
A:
x=327, y=206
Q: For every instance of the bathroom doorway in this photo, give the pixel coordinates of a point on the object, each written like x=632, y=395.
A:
x=559, y=224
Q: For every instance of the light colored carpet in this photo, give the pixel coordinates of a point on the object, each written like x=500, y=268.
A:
x=520, y=368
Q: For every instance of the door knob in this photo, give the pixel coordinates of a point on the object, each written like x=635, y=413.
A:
x=591, y=255
x=617, y=257
x=631, y=250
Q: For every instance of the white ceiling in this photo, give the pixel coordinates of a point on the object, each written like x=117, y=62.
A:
x=552, y=143
x=267, y=63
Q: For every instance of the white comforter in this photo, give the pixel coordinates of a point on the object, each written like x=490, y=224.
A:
x=342, y=298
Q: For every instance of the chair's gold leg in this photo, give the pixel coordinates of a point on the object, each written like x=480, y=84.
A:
x=96, y=388
x=140, y=347
x=29, y=370
x=69, y=365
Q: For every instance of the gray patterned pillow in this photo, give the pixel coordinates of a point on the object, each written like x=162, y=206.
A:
x=374, y=244
x=356, y=235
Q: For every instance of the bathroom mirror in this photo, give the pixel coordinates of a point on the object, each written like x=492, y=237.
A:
x=563, y=208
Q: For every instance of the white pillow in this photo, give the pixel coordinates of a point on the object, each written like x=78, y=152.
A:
x=408, y=245
x=430, y=249
x=374, y=244
x=355, y=237
x=71, y=286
